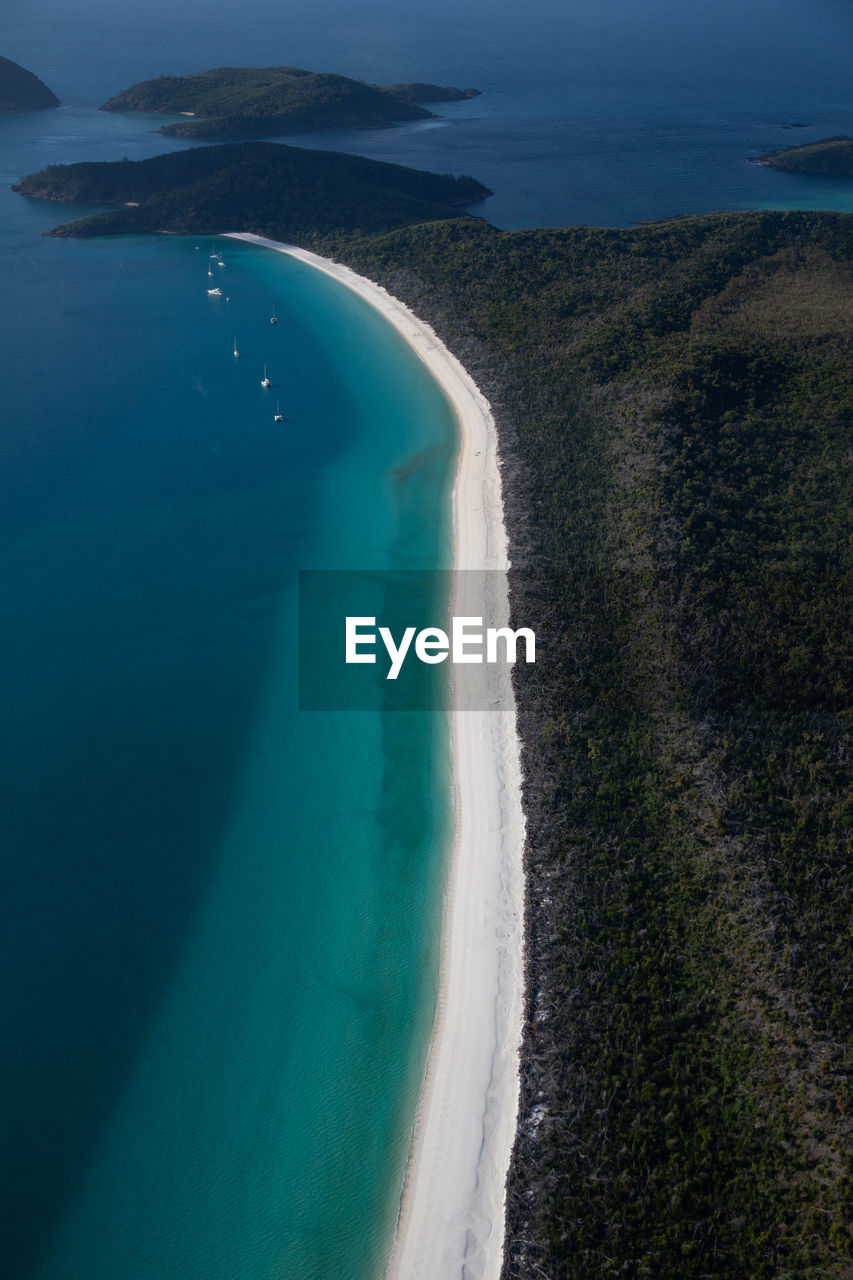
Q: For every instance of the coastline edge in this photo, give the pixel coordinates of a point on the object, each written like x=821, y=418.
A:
x=451, y=1220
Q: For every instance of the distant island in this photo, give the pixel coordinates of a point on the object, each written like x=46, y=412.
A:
x=417, y=91
x=21, y=90
x=240, y=102
x=289, y=193
x=829, y=156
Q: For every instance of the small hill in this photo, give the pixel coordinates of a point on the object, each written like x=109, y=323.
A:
x=419, y=92
x=285, y=192
x=20, y=90
x=674, y=405
x=239, y=102
x=829, y=156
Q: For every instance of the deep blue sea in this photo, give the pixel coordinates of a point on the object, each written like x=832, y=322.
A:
x=219, y=915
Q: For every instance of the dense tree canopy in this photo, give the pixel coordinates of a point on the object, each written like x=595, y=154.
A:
x=288, y=193
x=675, y=406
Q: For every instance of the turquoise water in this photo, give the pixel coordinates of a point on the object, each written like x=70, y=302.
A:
x=219, y=914
x=218, y=917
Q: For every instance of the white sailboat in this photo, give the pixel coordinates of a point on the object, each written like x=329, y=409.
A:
x=278, y=415
x=273, y=317
x=236, y=352
x=214, y=293
x=265, y=382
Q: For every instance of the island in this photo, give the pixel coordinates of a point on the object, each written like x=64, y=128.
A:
x=268, y=188
x=240, y=102
x=672, y=405
x=832, y=156
x=419, y=92
x=21, y=90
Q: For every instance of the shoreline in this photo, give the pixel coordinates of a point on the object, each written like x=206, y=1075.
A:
x=451, y=1220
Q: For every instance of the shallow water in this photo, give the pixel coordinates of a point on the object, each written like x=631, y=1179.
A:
x=218, y=913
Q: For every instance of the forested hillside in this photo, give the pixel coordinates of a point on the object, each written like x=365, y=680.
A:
x=829, y=156
x=675, y=405
x=288, y=193
x=240, y=102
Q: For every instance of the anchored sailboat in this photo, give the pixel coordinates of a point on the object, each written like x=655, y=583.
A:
x=265, y=382
x=278, y=416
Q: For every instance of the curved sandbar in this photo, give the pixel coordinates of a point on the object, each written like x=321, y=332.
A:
x=451, y=1220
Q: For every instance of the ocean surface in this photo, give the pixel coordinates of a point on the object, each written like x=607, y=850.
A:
x=219, y=915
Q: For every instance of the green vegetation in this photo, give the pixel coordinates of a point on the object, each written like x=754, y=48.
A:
x=284, y=192
x=829, y=156
x=240, y=102
x=419, y=92
x=674, y=405
x=20, y=90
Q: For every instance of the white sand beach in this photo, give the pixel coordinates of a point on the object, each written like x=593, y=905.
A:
x=451, y=1221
